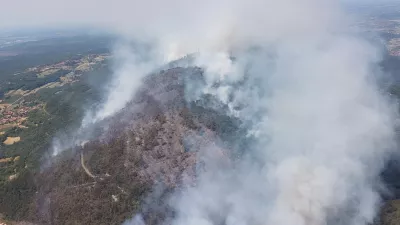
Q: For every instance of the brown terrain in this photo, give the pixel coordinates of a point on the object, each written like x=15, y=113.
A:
x=149, y=150
x=106, y=180
x=144, y=151
x=11, y=140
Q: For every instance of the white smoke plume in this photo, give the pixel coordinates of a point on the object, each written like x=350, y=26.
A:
x=323, y=127
x=131, y=65
x=131, y=62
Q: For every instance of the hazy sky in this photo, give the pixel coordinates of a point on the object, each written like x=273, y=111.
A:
x=19, y=13
x=46, y=12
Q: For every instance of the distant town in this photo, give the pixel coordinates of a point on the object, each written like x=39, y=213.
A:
x=389, y=28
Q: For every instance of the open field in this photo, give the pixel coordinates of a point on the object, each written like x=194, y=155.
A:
x=12, y=140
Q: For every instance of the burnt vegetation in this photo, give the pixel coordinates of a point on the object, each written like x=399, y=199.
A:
x=137, y=162
x=144, y=146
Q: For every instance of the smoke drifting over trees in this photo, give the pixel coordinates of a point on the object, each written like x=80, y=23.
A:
x=299, y=79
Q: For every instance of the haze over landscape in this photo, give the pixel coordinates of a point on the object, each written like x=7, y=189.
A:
x=200, y=112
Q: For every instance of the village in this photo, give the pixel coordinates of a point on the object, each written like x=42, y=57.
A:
x=394, y=47
x=77, y=66
x=14, y=115
x=389, y=29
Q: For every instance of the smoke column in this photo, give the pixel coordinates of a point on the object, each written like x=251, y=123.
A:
x=302, y=80
x=131, y=62
x=307, y=87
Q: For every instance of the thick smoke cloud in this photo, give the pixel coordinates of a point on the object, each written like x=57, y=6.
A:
x=323, y=127
x=324, y=133
x=303, y=82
